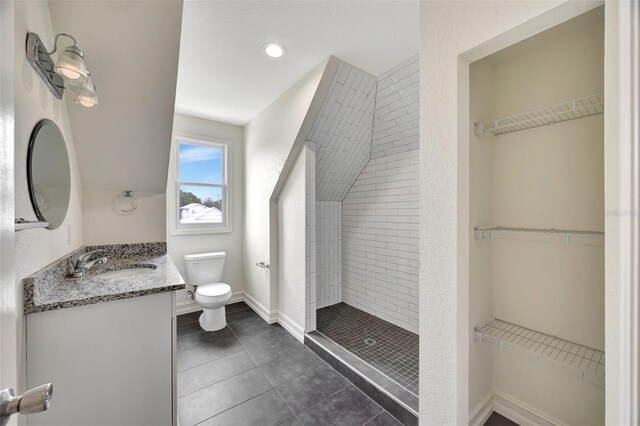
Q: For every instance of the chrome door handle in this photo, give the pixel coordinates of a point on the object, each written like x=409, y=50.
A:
x=32, y=401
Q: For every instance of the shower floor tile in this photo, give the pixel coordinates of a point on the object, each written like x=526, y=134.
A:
x=390, y=349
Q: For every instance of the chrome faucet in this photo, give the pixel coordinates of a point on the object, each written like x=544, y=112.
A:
x=83, y=264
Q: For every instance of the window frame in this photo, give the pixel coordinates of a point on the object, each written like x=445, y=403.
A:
x=177, y=228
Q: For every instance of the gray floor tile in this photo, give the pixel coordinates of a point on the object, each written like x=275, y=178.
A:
x=213, y=372
x=349, y=407
x=190, y=317
x=290, y=366
x=210, y=401
x=311, y=388
x=267, y=409
x=251, y=328
x=383, y=419
x=197, y=348
x=293, y=421
x=235, y=307
x=496, y=419
x=264, y=352
x=242, y=315
x=188, y=328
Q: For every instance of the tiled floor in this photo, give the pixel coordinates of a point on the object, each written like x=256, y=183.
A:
x=496, y=419
x=390, y=349
x=253, y=373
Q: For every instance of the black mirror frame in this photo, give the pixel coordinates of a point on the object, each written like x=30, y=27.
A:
x=32, y=142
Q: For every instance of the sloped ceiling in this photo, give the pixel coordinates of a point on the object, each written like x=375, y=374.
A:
x=342, y=132
x=225, y=76
x=132, y=49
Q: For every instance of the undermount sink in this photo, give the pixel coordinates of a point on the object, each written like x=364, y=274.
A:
x=128, y=271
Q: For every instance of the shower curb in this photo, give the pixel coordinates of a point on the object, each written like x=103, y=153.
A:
x=345, y=363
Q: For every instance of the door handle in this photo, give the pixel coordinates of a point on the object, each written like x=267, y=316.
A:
x=32, y=401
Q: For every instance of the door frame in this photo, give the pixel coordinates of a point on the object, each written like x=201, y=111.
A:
x=8, y=299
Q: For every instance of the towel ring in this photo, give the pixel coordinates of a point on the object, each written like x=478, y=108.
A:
x=132, y=200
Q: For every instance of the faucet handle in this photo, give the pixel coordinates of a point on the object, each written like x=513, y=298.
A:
x=87, y=255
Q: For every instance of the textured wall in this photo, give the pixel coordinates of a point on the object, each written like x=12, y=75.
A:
x=342, y=132
x=269, y=139
x=380, y=211
x=329, y=253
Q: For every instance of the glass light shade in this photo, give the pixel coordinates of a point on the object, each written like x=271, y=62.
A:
x=87, y=101
x=71, y=64
x=85, y=91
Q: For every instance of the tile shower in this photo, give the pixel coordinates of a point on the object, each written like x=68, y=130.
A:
x=363, y=226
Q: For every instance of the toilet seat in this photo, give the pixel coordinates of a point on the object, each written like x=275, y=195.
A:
x=213, y=291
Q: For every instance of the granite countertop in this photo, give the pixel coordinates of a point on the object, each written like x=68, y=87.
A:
x=51, y=288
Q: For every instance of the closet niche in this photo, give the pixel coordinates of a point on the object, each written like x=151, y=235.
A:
x=536, y=267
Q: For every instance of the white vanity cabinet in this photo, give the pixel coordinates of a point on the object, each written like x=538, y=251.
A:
x=111, y=363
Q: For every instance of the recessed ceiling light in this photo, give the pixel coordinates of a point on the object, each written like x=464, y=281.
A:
x=275, y=50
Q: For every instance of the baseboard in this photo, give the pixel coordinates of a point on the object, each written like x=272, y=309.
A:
x=522, y=413
x=480, y=414
x=188, y=306
x=291, y=326
x=512, y=409
x=266, y=314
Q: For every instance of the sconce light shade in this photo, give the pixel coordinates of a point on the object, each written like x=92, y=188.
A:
x=85, y=92
x=71, y=64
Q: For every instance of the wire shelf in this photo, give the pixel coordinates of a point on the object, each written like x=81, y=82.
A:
x=565, y=111
x=552, y=236
x=581, y=361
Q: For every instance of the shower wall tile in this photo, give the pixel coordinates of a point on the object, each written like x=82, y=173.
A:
x=396, y=116
x=342, y=132
x=329, y=253
x=380, y=240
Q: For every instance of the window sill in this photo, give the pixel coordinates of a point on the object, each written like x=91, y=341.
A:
x=200, y=231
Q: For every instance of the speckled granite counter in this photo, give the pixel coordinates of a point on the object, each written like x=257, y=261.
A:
x=51, y=288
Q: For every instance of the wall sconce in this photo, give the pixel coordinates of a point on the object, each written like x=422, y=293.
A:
x=69, y=72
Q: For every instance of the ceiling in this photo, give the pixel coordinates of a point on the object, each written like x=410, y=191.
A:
x=224, y=75
x=131, y=48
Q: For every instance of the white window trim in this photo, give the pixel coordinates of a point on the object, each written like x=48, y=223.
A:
x=173, y=193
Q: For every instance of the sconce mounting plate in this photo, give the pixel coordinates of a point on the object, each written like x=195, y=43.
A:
x=42, y=62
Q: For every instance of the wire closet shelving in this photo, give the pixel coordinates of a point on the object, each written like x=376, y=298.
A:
x=550, y=236
x=565, y=111
x=581, y=361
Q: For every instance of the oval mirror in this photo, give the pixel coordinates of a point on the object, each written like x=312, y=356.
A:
x=48, y=173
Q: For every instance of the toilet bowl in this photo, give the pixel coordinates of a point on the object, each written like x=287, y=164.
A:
x=204, y=272
x=213, y=298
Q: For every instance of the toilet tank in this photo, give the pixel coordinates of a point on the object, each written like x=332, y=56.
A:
x=205, y=268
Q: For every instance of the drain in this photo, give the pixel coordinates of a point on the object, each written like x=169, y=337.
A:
x=369, y=342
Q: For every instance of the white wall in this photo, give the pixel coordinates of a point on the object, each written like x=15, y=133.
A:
x=328, y=253
x=549, y=177
x=231, y=242
x=34, y=102
x=479, y=28
x=269, y=139
x=103, y=224
x=292, y=243
x=380, y=211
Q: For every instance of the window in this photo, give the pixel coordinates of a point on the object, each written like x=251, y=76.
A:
x=201, y=189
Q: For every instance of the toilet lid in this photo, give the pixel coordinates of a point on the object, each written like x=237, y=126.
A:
x=217, y=289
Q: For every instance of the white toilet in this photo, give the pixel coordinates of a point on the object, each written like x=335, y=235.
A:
x=204, y=270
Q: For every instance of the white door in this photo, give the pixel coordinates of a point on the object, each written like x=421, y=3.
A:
x=37, y=399
x=8, y=353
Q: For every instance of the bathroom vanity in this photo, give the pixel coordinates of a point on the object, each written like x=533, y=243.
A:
x=106, y=340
